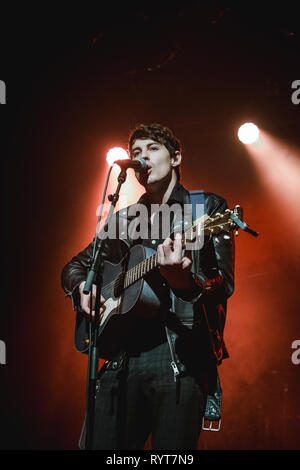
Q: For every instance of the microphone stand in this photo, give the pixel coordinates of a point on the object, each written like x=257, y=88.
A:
x=94, y=324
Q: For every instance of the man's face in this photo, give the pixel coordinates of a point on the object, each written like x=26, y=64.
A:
x=158, y=160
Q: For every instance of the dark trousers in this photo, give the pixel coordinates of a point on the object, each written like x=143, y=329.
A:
x=140, y=399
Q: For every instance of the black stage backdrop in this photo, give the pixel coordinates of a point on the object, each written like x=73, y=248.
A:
x=76, y=83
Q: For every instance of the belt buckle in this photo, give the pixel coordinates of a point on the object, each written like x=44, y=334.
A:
x=211, y=428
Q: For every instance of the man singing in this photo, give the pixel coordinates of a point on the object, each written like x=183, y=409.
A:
x=164, y=378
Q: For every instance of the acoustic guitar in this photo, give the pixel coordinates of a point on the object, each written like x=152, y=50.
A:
x=132, y=290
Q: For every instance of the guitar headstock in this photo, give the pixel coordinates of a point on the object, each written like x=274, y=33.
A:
x=222, y=222
x=231, y=219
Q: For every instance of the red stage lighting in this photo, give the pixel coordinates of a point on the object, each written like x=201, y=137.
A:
x=248, y=133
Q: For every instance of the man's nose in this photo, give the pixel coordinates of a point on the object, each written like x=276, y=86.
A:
x=145, y=154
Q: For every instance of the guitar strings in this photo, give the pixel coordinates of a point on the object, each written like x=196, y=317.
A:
x=137, y=267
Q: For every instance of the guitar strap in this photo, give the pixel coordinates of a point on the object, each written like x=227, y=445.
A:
x=197, y=197
x=214, y=400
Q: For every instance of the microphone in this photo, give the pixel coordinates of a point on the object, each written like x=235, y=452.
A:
x=138, y=164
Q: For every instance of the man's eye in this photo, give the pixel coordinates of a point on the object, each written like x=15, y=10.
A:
x=154, y=147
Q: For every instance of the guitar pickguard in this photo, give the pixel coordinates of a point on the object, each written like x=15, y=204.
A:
x=110, y=305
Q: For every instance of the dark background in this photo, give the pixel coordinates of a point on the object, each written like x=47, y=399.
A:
x=77, y=82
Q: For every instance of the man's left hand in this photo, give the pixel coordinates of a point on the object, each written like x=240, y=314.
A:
x=172, y=265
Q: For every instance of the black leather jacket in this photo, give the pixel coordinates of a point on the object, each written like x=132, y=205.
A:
x=213, y=268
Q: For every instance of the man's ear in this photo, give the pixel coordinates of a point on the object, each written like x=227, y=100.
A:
x=176, y=159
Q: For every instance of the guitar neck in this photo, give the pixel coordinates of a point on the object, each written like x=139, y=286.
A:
x=138, y=271
x=148, y=264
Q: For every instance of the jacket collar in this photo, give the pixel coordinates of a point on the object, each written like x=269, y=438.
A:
x=178, y=195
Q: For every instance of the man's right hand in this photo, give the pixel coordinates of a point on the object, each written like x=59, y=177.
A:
x=85, y=300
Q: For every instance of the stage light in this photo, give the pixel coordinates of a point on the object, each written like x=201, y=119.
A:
x=116, y=153
x=248, y=133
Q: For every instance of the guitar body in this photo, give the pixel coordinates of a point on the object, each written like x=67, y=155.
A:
x=123, y=307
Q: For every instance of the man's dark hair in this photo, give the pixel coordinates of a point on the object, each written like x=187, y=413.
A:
x=158, y=133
